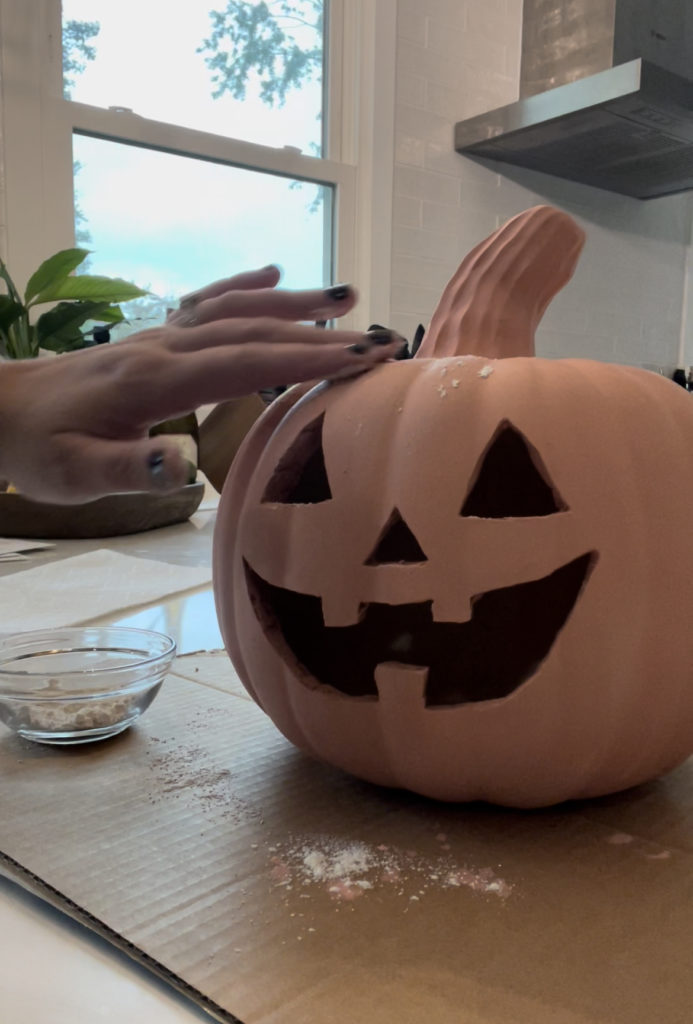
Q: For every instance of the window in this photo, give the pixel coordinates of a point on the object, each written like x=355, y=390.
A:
x=173, y=166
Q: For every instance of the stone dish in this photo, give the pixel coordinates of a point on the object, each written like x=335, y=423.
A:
x=111, y=516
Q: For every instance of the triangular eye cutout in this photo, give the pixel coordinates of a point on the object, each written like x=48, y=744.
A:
x=511, y=481
x=396, y=544
x=300, y=477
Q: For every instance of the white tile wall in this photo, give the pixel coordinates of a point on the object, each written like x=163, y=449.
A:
x=458, y=58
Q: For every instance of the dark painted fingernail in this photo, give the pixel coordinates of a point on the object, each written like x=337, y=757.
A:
x=189, y=300
x=360, y=348
x=271, y=266
x=338, y=292
x=382, y=336
x=155, y=462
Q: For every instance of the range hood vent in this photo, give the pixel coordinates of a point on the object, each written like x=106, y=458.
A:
x=628, y=128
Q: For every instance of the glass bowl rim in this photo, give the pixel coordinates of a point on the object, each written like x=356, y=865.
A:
x=16, y=641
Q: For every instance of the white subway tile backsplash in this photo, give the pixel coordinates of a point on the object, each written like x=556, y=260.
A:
x=442, y=157
x=492, y=21
x=425, y=244
x=439, y=218
x=419, y=302
x=422, y=124
x=411, y=89
x=445, y=69
x=422, y=184
x=614, y=320
x=410, y=150
x=474, y=50
x=625, y=300
x=415, y=270
x=476, y=221
x=566, y=344
x=443, y=101
x=411, y=23
x=407, y=212
x=512, y=64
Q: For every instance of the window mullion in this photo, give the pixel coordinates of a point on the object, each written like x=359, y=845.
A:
x=333, y=93
x=367, y=143
x=124, y=126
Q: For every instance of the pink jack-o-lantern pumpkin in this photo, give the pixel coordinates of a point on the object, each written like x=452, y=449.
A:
x=470, y=574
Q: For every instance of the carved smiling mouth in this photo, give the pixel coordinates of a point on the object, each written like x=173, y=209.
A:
x=510, y=633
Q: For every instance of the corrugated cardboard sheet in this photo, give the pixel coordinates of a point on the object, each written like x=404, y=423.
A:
x=275, y=889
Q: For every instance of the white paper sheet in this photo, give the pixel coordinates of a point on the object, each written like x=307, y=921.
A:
x=11, y=548
x=86, y=587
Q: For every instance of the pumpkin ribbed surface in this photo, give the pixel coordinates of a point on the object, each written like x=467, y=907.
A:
x=469, y=576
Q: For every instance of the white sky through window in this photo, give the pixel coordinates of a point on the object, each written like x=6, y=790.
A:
x=172, y=223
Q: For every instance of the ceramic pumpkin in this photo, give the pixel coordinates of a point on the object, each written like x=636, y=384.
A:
x=470, y=574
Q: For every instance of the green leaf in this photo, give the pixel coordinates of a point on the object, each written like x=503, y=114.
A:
x=64, y=342
x=92, y=288
x=110, y=315
x=62, y=323
x=54, y=270
x=9, y=312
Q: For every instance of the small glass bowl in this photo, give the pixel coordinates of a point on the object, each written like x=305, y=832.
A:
x=66, y=686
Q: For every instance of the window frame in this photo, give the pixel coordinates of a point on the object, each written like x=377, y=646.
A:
x=38, y=124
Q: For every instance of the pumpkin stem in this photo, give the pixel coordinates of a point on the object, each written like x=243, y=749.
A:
x=493, y=304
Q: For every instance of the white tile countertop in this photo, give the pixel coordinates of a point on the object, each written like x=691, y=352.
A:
x=51, y=968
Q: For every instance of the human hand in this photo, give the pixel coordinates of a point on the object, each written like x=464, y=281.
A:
x=76, y=426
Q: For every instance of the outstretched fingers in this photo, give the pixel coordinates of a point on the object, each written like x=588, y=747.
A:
x=218, y=373
x=266, y=277
x=241, y=331
x=317, y=304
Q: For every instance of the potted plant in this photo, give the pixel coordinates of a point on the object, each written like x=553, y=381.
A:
x=83, y=306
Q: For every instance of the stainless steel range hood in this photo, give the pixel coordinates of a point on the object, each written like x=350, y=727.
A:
x=628, y=128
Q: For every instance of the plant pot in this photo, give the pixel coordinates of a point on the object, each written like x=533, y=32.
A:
x=110, y=516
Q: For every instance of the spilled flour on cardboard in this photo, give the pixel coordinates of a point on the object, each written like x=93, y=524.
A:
x=184, y=772
x=348, y=870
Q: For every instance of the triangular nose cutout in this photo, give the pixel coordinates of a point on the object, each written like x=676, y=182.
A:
x=396, y=544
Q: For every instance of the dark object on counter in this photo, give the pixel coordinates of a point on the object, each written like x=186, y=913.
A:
x=679, y=377
x=111, y=516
